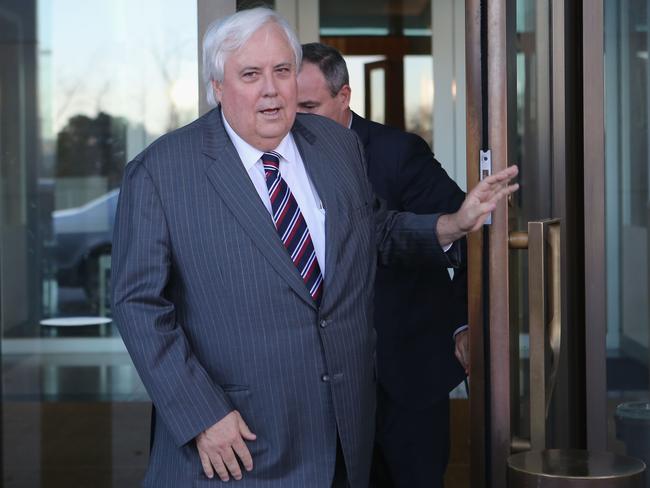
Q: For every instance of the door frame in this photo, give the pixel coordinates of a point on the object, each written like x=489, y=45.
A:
x=593, y=115
x=490, y=124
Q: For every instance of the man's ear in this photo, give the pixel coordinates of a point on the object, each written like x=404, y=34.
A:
x=344, y=95
x=216, y=86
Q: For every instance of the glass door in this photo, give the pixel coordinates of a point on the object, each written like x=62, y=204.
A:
x=84, y=87
x=619, y=384
x=521, y=264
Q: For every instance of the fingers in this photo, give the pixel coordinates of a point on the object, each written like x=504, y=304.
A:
x=221, y=445
x=463, y=356
x=498, y=180
x=461, y=359
x=240, y=447
x=220, y=467
x=206, y=463
x=243, y=454
x=211, y=462
x=489, y=204
x=504, y=191
x=231, y=463
x=500, y=176
x=225, y=464
x=244, y=430
x=462, y=349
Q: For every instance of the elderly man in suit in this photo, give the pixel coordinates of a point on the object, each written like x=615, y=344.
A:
x=244, y=260
x=420, y=314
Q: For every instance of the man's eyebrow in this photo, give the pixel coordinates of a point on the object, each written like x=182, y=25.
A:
x=307, y=102
x=249, y=68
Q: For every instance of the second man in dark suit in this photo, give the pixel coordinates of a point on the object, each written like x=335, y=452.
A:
x=420, y=314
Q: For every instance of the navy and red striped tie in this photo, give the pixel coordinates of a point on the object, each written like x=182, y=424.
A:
x=291, y=227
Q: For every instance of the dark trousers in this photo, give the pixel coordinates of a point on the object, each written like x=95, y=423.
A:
x=411, y=445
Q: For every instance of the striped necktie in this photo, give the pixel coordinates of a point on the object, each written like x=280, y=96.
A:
x=291, y=226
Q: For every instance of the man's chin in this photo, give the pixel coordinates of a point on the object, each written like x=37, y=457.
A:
x=273, y=128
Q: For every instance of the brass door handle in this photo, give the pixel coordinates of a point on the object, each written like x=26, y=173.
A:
x=543, y=242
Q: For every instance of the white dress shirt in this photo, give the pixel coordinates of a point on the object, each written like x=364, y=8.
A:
x=292, y=169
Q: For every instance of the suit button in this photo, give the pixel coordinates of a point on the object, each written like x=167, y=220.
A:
x=323, y=323
x=325, y=378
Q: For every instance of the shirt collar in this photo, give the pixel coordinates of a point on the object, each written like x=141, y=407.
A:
x=350, y=121
x=251, y=155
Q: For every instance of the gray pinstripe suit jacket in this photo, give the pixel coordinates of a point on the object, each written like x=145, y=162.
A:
x=216, y=317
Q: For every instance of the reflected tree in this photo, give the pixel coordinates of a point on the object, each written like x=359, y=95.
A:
x=92, y=147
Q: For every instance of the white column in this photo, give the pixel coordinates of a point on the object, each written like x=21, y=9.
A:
x=303, y=15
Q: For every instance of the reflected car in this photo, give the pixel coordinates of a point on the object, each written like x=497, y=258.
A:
x=80, y=236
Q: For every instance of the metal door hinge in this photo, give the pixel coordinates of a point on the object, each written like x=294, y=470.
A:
x=485, y=166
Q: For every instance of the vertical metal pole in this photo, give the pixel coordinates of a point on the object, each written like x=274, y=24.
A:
x=499, y=131
x=478, y=374
x=594, y=224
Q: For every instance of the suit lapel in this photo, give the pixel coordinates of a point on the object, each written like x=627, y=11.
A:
x=319, y=171
x=230, y=179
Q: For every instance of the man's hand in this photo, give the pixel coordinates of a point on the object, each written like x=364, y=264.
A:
x=219, y=444
x=477, y=206
x=462, y=349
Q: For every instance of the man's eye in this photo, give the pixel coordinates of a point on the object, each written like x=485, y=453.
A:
x=249, y=75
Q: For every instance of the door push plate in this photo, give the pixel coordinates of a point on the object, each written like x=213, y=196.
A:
x=486, y=170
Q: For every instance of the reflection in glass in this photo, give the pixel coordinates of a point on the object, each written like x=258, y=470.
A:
x=522, y=150
x=375, y=18
x=121, y=92
x=627, y=208
x=84, y=87
x=418, y=95
x=355, y=66
x=378, y=95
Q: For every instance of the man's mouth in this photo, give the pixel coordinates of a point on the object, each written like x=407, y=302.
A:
x=270, y=111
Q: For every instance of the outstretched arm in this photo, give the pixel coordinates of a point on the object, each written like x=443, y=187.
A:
x=477, y=206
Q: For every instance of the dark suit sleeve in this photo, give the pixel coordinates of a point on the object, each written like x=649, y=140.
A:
x=182, y=392
x=404, y=238
x=424, y=186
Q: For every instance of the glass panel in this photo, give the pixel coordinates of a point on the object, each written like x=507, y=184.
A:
x=378, y=95
x=418, y=91
x=356, y=72
x=375, y=18
x=404, y=39
x=530, y=92
x=627, y=219
x=84, y=87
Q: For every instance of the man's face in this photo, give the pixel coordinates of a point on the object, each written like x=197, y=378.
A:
x=258, y=93
x=315, y=97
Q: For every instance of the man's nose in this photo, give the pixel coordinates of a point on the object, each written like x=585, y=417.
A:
x=269, y=88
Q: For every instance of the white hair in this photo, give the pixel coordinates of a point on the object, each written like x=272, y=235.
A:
x=228, y=34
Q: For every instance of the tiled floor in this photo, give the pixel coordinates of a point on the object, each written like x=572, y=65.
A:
x=76, y=415
x=74, y=445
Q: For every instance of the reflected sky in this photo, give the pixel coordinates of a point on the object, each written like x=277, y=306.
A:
x=132, y=59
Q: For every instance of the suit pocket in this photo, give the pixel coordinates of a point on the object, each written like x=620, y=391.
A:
x=240, y=397
x=232, y=388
